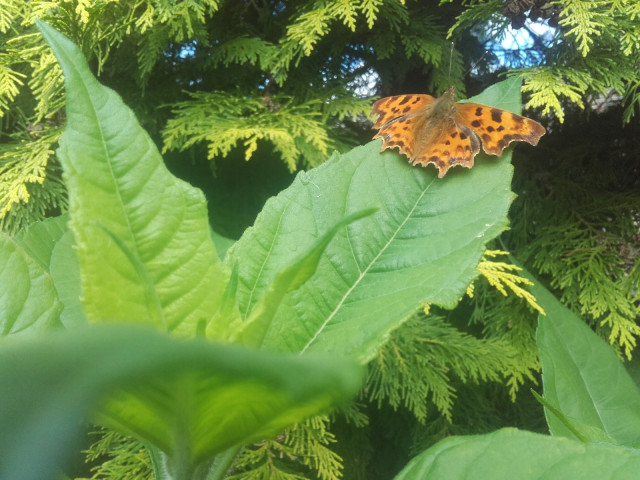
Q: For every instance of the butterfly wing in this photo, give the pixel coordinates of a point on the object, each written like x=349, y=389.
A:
x=446, y=144
x=424, y=129
x=497, y=128
x=399, y=121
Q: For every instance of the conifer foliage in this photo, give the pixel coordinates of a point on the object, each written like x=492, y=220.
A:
x=295, y=75
x=295, y=80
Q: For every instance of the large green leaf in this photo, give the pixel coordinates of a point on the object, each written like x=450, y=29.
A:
x=421, y=246
x=142, y=235
x=65, y=271
x=582, y=376
x=28, y=299
x=512, y=454
x=188, y=398
x=50, y=243
x=40, y=238
x=262, y=316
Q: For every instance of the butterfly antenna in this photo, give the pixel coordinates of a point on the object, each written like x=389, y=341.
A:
x=450, y=61
x=474, y=64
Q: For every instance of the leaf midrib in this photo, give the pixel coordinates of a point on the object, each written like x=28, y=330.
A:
x=366, y=269
x=109, y=158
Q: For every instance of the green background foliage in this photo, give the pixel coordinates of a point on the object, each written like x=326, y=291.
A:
x=239, y=94
x=292, y=79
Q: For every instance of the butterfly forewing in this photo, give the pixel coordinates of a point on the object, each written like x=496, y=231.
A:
x=497, y=128
x=398, y=106
x=400, y=119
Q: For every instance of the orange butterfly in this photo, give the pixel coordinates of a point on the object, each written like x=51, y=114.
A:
x=447, y=133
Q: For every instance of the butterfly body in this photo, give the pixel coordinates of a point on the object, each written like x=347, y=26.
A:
x=447, y=133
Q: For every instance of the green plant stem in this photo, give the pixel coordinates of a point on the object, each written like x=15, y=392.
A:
x=159, y=466
x=222, y=463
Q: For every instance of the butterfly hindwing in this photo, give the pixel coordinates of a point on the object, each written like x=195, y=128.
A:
x=454, y=145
